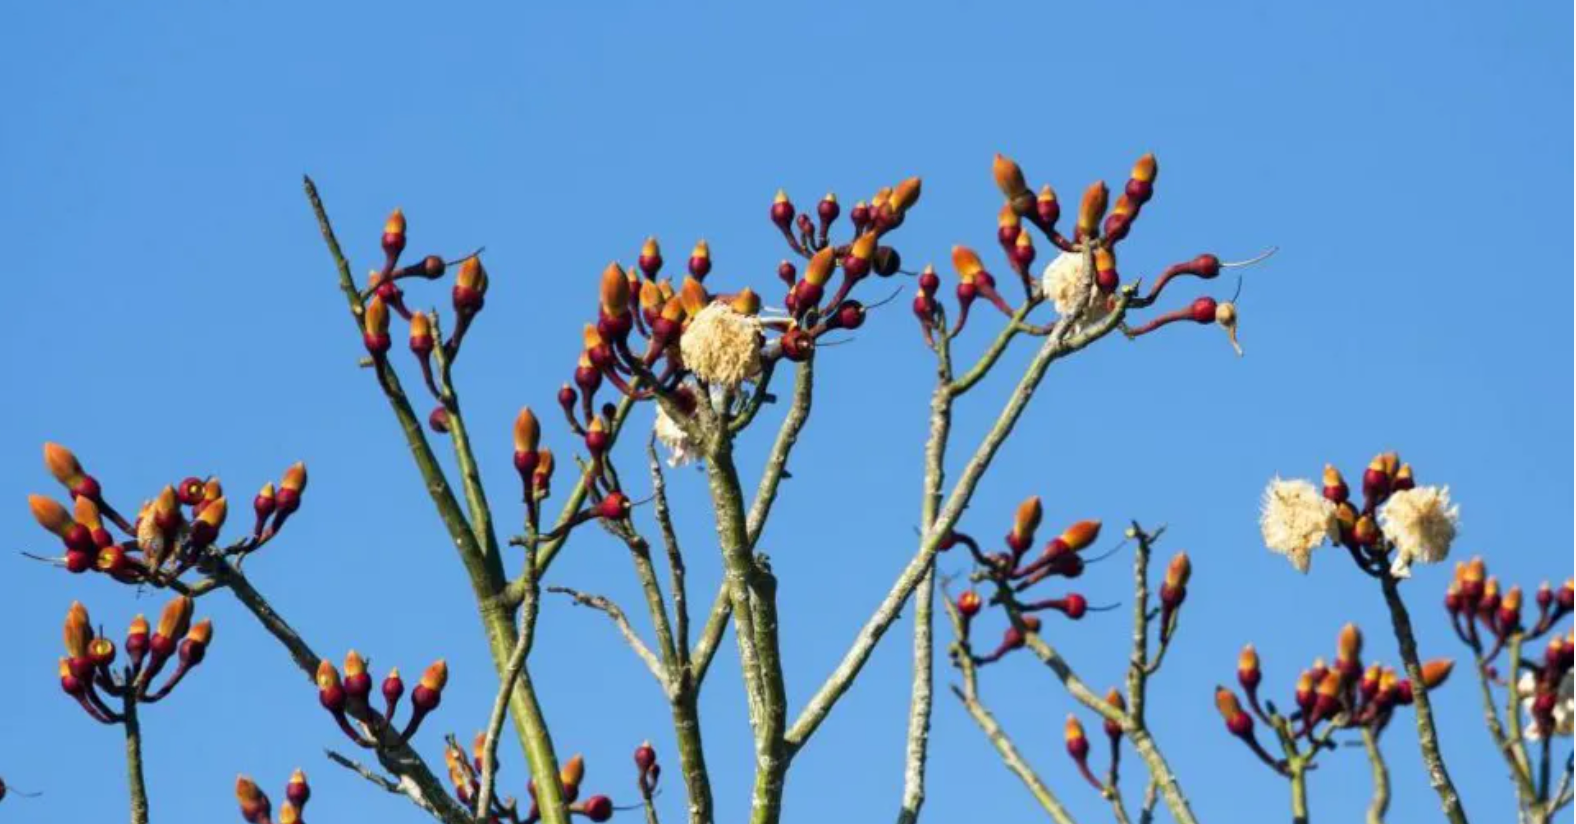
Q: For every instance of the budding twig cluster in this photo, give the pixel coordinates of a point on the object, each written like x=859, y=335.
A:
x=1328, y=698
x=349, y=697
x=175, y=531
x=88, y=670
x=256, y=808
x=465, y=773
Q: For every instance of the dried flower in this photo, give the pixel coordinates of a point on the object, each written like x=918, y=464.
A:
x=1296, y=519
x=681, y=450
x=1421, y=523
x=1564, y=713
x=1069, y=284
x=722, y=346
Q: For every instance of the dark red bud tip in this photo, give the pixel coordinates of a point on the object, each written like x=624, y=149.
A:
x=377, y=344
x=596, y=441
x=1240, y=725
x=828, y=210
x=393, y=688
x=79, y=539
x=287, y=501
x=1049, y=211
x=598, y=808
x=787, y=273
x=1078, y=748
x=1139, y=191
x=1075, y=606
x=525, y=462
x=193, y=652
x=699, y=267
x=358, y=686
x=161, y=646
x=468, y=301
x=298, y=793
x=614, y=506
x=1203, y=310
x=782, y=213
x=332, y=698
x=929, y=282
x=438, y=421
x=645, y=757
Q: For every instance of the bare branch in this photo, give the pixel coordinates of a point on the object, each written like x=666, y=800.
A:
x=670, y=541
x=620, y=620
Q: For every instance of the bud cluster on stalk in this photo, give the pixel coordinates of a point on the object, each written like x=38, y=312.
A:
x=173, y=532
x=89, y=670
x=1329, y=696
x=256, y=808
x=1490, y=620
x=465, y=775
x=1015, y=570
x=348, y=698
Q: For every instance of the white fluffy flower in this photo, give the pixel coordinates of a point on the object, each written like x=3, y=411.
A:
x=1421, y=523
x=681, y=450
x=1564, y=708
x=1295, y=519
x=1068, y=283
x=722, y=346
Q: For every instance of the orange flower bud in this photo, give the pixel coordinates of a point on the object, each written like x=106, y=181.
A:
x=436, y=676
x=1077, y=742
x=420, y=329
x=1092, y=208
x=375, y=321
x=746, y=302
x=176, y=617
x=50, y=514
x=527, y=431
x=1349, y=644
x=650, y=248
x=327, y=677
x=1027, y=519
x=1249, y=671
x=615, y=290
x=201, y=632
x=573, y=771
x=905, y=195
x=650, y=296
x=472, y=276
x=255, y=807
x=78, y=630
x=1365, y=531
x=289, y=814
x=1009, y=178
x=395, y=225
x=213, y=514
x=1080, y=535
x=864, y=246
x=966, y=262
x=1146, y=168
x=355, y=665
x=692, y=295
x=819, y=270
x=1435, y=671
x=295, y=477
x=62, y=464
x=1179, y=571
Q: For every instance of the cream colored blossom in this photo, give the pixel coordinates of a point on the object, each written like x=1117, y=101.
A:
x=1295, y=519
x=1421, y=523
x=681, y=450
x=722, y=346
x=1069, y=283
x=1564, y=708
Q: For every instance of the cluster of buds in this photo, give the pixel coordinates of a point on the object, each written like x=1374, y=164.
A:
x=89, y=667
x=465, y=773
x=647, y=770
x=349, y=697
x=1328, y=697
x=1084, y=281
x=1013, y=571
x=383, y=295
x=172, y=533
x=1078, y=749
x=257, y=809
x=1478, y=607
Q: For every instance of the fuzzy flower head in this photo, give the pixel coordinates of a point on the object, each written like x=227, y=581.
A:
x=1564, y=707
x=681, y=450
x=722, y=346
x=1421, y=523
x=1068, y=282
x=1295, y=519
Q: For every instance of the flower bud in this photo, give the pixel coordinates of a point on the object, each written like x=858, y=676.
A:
x=63, y=465
x=1436, y=670
x=429, y=691
x=1009, y=179
x=1239, y=723
x=614, y=293
x=393, y=687
x=969, y=603
x=1249, y=673
x=966, y=262
x=1024, y=522
x=137, y=640
x=101, y=653
x=904, y=196
x=1335, y=489
x=1080, y=535
x=527, y=439
x=50, y=514
x=1114, y=699
x=1092, y=209
x=1376, y=481
x=650, y=258
x=206, y=526
x=330, y=692
x=174, y=621
x=470, y=287
x=375, y=326
x=357, y=681
x=394, y=234
x=195, y=645
x=1077, y=742
x=78, y=630
x=255, y=807
x=1349, y=645
x=782, y=211
x=700, y=260
x=1174, y=589
x=819, y=270
x=597, y=808
x=1509, y=616
x=288, y=499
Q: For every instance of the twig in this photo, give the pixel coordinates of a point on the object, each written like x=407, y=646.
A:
x=511, y=673
x=134, y=780
x=1381, y=777
x=670, y=542
x=620, y=620
x=915, y=754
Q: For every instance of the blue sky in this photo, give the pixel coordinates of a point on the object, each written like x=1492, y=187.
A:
x=173, y=313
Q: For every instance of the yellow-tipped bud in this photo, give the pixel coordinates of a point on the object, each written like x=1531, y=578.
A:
x=472, y=276
x=673, y=309
x=1080, y=535
x=905, y=195
x=1007, y=217
x=615, y=290
x=295, y=477
x=1248, y=659
x=819, y=270
x=62, y=464
x=1179, y=570
x=693, y=297
x=1435, y=671
x=395, y=225
x=650, y=295
x=176, y=617
x=201, y=632
x=375, y=321
x=436, y=675
x=1228, y=705
x=78, y=630
x=420, y=326
x=86, y=513
x=1073, y=731
x=166, y=503
x=746, y=302
x=966, y=262
x=49, y=514
x=354, y=664
x=246, y=791
x=1332, y=476
x=1092, y=208
x=212, y=490
x=573, y=771
x=327, y=677
x=1146, y=168
x=1009, y=178
x=1027, y=519
x=138, y=626
x=288, y=814
x=864, y=246
x=1349, y=644
x=527, y=431
x=213, y=513
x=1330, y=684
x=650, y=248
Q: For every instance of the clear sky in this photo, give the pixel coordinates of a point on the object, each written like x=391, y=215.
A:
x=173, y=312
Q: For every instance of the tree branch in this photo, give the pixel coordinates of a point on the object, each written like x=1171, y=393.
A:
x=134, y=780
x=620, y=620
x=1381, y=777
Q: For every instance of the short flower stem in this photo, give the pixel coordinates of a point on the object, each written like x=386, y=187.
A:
x=1381, y=777
x=134, y=780
x=1299, y=792
x=1427, y=735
